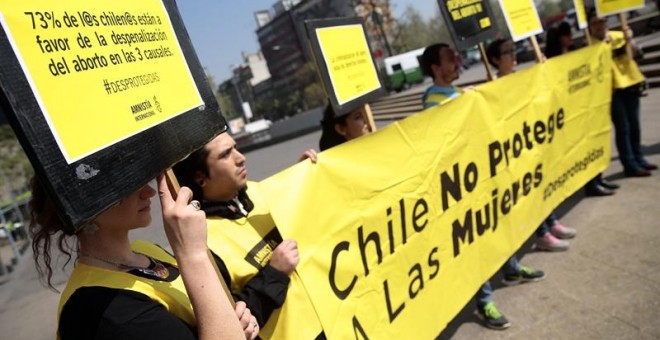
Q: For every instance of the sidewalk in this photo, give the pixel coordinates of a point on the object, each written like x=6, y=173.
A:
x=607, y=286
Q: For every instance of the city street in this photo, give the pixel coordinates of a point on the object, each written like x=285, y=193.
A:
x=607, y=286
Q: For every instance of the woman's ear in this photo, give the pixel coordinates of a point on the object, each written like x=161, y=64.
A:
x=340, y=129
x=200, y=179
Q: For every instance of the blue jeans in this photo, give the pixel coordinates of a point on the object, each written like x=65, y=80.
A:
x=544, y=228
x=485, y=292
x=625, y=116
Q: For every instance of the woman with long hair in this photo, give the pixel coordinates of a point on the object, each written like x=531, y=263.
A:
x=120, y=290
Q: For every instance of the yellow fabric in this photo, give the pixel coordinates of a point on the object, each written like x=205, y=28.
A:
x=172, y=295
x=237, y=240
x=625, y=70
x=379, y=230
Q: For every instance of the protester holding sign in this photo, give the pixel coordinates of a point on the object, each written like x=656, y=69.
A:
x=257, y=263
x=625, y=98
x=339, y=129
x=552, y=233
x=120, y=290
x=439, y=62
x=559, y=40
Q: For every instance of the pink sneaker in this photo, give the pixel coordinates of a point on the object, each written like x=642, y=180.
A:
x=550, y=243
x=561, y=231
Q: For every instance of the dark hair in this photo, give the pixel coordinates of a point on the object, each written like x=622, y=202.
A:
x=430, y=57
x=493, y=51
x=553, y=46
x=186, y=169
x=564, y=28
x=45, y=225
x=329, y=136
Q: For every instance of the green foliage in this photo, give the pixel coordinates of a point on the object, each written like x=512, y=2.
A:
x=548, y=8
x=226, y=106
x=15, y=168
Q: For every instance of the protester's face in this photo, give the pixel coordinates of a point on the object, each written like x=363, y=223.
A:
x=355, y=126
x=598, y=27
x=447, y=70
x=507, y=60
x=227, y=172
x=134, y=211
x=565, y=41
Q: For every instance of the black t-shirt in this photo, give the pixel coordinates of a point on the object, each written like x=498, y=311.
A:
x=109, y=313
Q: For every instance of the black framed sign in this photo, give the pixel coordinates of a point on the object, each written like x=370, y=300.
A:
x=344, y=59
x=469, y=21
x=103, y=96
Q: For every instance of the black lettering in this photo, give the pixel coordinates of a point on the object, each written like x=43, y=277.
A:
x=495, y=156
x=433, y=263
x=362, y=243
x=462, y=232
x=390, y=314
x=506, y=202
x=358, y=328
x=538, y=175
x=340, y=293
x=414, y=289
x=453, y=187
x=471, y=177
x=419, y=214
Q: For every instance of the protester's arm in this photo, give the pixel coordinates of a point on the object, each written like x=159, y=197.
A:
x=263, y=293
x=185, y=228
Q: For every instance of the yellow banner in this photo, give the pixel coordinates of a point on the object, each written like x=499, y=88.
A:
x=101, y=71
x=397, y=230
x=521, y=18
x=580, y=14
x=609, y=7
x=347, y=56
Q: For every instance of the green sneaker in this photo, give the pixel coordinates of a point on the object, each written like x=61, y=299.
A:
x=524, y=274
x=492, y=317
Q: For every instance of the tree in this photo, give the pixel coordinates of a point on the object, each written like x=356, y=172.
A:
x=226, y=106
x=414, y=32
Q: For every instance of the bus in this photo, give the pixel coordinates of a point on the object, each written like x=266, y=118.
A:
x=403, y=69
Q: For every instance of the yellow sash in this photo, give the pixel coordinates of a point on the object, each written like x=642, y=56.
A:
x=625, y=71
x=172, y=295
x=246, y=246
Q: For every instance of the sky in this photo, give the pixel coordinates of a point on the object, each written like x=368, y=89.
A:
x=221, y=29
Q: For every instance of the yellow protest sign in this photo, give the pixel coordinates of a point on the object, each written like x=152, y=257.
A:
x=609, y=7
x=469, y=21
x=581, y=14
x=348, y=59
x=397, y=230
x=100, y=71
x=521, y=18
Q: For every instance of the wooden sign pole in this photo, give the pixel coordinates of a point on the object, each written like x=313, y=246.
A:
x=173, y=185
x=537, y=50
x=625, y=28
x=369, y=117
x=587, y=36
x=484, y=59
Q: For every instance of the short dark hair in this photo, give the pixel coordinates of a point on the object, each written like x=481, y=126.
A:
x=186, y=169
x=493, y=51
x=430, y=57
